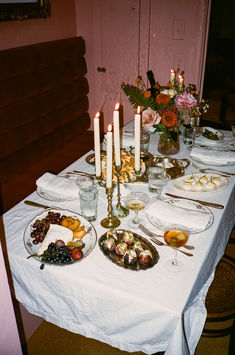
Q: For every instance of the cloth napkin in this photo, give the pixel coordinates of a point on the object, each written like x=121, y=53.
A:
x=169, y=214
x=59, y=186
x=213, y=156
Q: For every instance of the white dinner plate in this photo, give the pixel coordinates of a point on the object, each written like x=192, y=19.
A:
x=50, y=196
x=182, y=182
x=209, y=161
x=188, y=205
x=89, y=239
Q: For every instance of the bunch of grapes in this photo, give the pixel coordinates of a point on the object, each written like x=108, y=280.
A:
x=40, y=227
x=57, y=253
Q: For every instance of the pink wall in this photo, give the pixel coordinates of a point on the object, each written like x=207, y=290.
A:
x=61, y=24
x=9, y=337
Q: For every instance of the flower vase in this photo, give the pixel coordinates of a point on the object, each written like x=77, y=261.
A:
x=169, y=144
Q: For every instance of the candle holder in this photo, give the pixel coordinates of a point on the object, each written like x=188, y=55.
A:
x=119, y=210
x=110, y=221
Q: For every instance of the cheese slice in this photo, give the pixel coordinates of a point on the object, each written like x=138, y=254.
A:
x=54, y=233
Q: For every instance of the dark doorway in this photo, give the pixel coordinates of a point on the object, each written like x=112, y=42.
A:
x=219, y=82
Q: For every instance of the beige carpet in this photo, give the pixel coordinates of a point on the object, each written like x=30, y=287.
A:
x=52, y=340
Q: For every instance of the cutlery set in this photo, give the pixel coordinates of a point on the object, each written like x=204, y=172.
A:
x=212, y=169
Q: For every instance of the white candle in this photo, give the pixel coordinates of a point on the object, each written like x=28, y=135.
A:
x=137, y=139
x=172, y=77
x=109, y=162
x=97, y=144
x=181, y=82
x=116, y=135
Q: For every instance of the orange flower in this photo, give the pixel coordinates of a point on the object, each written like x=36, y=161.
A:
x=147, y=94
x=169, y=118
x=162, y=99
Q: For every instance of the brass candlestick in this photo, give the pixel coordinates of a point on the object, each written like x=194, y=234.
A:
x=119, y=210
x=110, y=221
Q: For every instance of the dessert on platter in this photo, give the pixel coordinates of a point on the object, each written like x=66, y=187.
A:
x=201, y=182
x=128, y=250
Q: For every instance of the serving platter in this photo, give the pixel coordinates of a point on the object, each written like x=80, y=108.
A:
x=190, y=182
x=172, y=166
x=187, y=205
x=119, y=260
x=89, y=239
x=90, y=159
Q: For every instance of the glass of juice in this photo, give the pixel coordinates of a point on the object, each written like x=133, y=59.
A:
x=175, y=238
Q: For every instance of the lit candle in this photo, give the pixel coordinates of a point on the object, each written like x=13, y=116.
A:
x=116, y=135
x=97, y=144
x=109, y=162
x=181, y=82
x=137, y=139
x=172, y=77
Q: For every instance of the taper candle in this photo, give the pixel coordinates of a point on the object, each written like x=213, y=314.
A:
x=109, y=160
x=181, y=82
x=97, y=144
x=172, y=77
x=116, y=135
x=137, y=139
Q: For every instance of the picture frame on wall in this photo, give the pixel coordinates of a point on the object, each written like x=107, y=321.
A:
x=20, y=10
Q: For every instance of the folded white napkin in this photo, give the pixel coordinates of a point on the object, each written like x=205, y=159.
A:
x=59, y=186
x=169, y=214
x=213, y=156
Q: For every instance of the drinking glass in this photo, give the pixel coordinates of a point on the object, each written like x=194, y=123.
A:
x=175, y=238
x=155, y=179
x=136, y=201
x=144, y=141
x=86, y=183
x=88, y=204
x=189, y=134
x=233, y=128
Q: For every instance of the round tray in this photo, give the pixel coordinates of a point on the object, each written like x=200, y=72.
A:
x=119, y=260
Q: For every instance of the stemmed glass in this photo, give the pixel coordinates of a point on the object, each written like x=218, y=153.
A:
x=136, y=201
x=175, y=238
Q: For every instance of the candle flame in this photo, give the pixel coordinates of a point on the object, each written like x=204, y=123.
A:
x=172, y=71
x=138, y=109
x=110, y=128
x=117, y=106
x=97, y=115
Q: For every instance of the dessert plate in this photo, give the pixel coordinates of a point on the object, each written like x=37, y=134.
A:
x=119, y=260
x=89, y=239
x=201, y=182
x=188, y=205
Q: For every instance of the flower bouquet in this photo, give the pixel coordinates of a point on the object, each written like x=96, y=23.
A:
x=166, y=108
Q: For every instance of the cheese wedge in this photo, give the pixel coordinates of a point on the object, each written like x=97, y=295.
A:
x=54, y=233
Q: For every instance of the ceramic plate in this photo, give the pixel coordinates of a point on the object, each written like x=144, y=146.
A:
x=186, y=204
x=190, y=182
x=89, y=239
x=214, y=131
x=90, y=159
x=119, y=260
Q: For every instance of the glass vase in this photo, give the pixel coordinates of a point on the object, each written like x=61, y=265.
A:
x=169, y=144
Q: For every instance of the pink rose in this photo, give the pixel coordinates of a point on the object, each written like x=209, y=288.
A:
x=186, y=99
x=150, y=117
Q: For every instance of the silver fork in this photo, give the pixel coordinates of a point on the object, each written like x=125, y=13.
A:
x=211, y=169
x=154, y=239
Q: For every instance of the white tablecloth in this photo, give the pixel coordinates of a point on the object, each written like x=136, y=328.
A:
x=148, y=311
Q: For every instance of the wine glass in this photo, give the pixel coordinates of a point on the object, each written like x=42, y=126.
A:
x=175, y=238
x=136, y=201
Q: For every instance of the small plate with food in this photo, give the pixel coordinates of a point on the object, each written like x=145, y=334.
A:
x=211, y=135
x=59, y=237
x=201, y=182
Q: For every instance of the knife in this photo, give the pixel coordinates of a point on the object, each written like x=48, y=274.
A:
x=211, y=204
x=35, y=204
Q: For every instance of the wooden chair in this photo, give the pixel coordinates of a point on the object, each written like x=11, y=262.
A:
x=220, y=300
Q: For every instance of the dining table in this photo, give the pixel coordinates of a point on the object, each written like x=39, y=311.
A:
x=149, y=310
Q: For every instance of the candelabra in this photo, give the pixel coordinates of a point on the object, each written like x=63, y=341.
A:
x=110, y=221
x=119, y=210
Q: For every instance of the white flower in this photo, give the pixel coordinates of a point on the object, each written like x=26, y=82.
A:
x=170, y=92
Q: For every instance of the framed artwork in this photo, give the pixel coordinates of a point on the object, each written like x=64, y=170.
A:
x=20, y=10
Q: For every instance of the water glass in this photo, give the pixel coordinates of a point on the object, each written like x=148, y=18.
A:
x=88, y=204
x=189, y=134
x=86, y=183
x=155, y=179
x=144, y=141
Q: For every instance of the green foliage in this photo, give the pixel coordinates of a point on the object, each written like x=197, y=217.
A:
x=136, y=97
